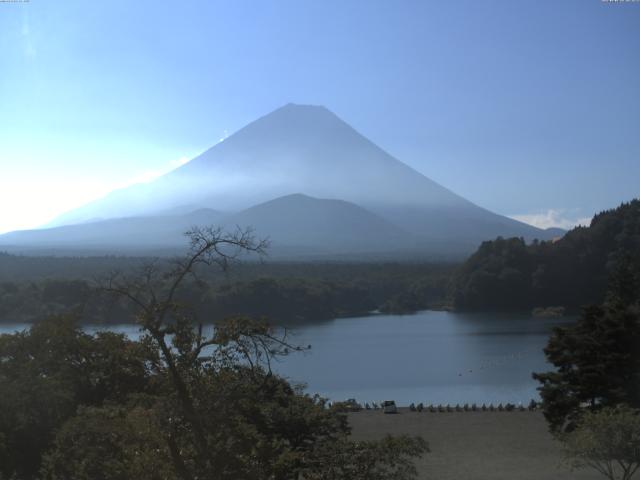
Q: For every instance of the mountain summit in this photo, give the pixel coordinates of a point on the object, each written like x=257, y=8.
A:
x=296, y=148
x=309, y=150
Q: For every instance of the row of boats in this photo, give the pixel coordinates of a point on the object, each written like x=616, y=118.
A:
x=389, y=406
x=507, y=407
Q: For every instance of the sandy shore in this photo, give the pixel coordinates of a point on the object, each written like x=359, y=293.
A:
x=475, y=445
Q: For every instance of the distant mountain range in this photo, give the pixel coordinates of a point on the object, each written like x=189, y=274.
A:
x=298, y=175
x=135, y=232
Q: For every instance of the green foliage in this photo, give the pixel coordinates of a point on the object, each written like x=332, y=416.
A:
x=607, y=441
x=495, y=275
x=284, y=293
x=389, y=458
x=261, y=429
x=289, y=299
x=423, y=293
x=572, y=272
x=45, y=373
x=597, y=359
x=34, y=301
x=109, y=443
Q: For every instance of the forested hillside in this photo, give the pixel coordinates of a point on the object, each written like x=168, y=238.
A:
x=32, y=288
x=570, y=272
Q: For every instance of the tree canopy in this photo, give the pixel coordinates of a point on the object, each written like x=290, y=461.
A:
x=607, y=441
x=597, y=359
x=573, y=271
x=285, y=293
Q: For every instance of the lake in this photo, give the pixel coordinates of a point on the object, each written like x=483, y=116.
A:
x=430, y=357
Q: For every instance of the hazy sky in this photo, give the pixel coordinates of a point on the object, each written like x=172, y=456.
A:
x=528, y=108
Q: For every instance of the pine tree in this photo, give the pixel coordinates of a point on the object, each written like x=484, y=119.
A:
x=598, y=358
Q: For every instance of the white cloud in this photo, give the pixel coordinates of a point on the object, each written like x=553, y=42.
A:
x=562, y=218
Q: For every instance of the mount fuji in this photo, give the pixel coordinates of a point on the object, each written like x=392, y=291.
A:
x=303, y=177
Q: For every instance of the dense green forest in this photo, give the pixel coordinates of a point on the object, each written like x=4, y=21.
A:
x=32, y=288
x=597, y=358
x=571, y=272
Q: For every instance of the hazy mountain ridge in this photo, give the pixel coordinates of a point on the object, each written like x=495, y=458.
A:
x=387, y=206
x=128, y=231
x=325, y=224
x=296, y=148
x=295, y=224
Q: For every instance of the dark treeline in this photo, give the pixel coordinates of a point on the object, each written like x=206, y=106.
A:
x=23, y=268
x=591, y=399
x=597, y=359
x=570, y=272
x=34, y=288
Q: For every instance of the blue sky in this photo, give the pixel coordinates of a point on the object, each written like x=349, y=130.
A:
x=528, y=108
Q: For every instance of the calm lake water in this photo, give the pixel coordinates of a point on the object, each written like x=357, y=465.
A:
x=431, y=357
